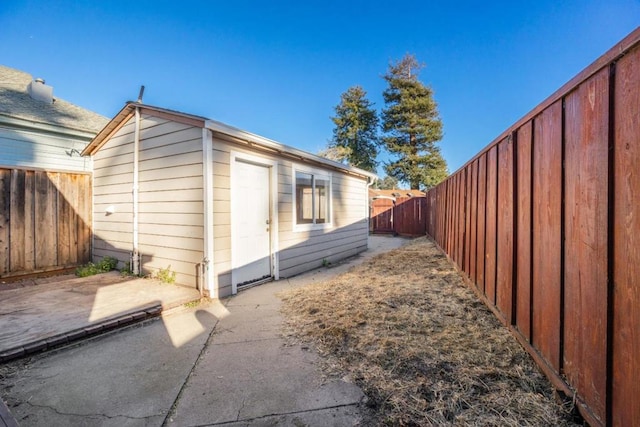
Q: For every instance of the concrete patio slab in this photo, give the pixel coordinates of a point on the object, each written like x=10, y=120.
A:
x=35, y=318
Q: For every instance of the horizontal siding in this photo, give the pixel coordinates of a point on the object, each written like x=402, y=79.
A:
x=319, y=250
x=315, y=263
x=31, y=149
x=112, y=181
x=121, y=255
x=161, y=207
x=161, y=230
x=123, y=188
x=171, y=196
x=108, y=243
x=299, y=251
x=170, y=221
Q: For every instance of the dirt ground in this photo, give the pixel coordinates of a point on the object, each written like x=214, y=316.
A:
x=420, y=344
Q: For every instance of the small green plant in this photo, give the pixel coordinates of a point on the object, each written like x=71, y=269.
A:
x=126, y=270
x=326, y=263
x=192, y=304
x=106, y=264
x=165, y=275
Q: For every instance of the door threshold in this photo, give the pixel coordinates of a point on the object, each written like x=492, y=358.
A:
x=256, y=283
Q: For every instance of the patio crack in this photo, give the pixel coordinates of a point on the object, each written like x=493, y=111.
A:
x=176, y=401
x=240, y=410
x=92, y=416
x=6, y=313
x=355, y=405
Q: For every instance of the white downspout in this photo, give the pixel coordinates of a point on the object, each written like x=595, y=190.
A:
x=207, y=175
x=135, y=258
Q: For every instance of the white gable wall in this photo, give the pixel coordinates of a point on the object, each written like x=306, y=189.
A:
x=170, y=197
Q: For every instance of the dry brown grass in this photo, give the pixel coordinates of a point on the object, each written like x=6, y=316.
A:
x=421, y=345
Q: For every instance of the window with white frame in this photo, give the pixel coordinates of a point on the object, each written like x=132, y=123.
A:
x=312, y=198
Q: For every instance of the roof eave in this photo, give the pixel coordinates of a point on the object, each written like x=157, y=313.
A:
x=253, y=139
x=238, y=134
x=28, y=124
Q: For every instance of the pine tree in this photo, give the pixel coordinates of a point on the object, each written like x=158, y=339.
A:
x=355, y=135
x=412, y=127
x=386, y=183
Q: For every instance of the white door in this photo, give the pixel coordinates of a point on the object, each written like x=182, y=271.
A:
x=251, y=223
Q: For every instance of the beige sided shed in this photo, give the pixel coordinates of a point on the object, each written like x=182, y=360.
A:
x=222, y=207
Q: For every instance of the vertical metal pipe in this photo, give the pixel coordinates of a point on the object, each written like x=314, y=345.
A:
x=136, y=148
x=207, y=175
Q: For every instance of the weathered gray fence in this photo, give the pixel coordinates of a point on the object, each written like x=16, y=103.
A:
x=45, y=221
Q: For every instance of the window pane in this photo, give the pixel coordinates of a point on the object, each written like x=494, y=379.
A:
x=304, y=198
x=322, y=200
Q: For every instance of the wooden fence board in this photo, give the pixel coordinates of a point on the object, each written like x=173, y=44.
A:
x=491, y=221
x=454, y=218
x=462, y=219
x=64, y=217
x=448, y=218
x=482, y=193
x=585, y=271
x=459, y=223
x=474, y=221
x=504, y=260
x=29, y=221
x=441, y=214
x=17, y=223
x=467, y=222
x=5, y=214
x=547, y=196
x=524, y=229
x=85, y=220
x=46, y=238
x=625, y=399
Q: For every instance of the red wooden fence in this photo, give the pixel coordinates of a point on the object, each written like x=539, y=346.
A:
x=405, y=216
x=545, y=224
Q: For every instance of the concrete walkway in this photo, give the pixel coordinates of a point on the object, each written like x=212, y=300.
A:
x=223, y=363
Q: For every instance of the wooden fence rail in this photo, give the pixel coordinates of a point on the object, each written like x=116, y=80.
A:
x=545, y=225
x=45, y=221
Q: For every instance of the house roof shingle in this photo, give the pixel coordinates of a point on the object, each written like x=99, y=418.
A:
x=15, y=102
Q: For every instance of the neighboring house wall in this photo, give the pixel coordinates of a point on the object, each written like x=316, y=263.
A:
x=45, y=185
x=170, y=197
x=39, y=130
x=41, y=149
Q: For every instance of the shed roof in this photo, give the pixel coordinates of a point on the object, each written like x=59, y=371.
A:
x=15, y=102
x=236, y=134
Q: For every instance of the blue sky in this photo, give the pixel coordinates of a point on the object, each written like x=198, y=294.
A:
x=277, y=68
